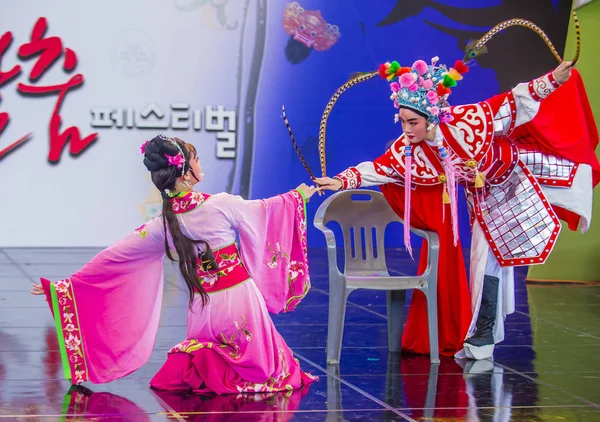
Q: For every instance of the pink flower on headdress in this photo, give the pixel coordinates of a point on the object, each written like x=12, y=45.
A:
x=395, y=87
x=413, y=88
x=445, y=117
x=420, y=81
x=420, y=66
x=176, y=160
x=432, y=97
x=143, y=147
x=434, y=111
x=396, y=105
x=428, y=84
x=407, y=80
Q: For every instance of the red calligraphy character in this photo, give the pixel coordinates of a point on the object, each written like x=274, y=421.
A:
x=5, y=77
x=5, y=42
x=48, y=51
x=4, y=119
x=58, y=140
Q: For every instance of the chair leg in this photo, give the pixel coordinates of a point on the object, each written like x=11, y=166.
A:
x=431, y=294
x=431, y=391
x=338, y=294
x=395, y=314
x=394, y=391
x=334, y=389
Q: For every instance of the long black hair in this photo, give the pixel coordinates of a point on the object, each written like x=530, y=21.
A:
x=164, y=177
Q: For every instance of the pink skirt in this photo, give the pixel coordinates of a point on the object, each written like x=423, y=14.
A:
x=232, y=346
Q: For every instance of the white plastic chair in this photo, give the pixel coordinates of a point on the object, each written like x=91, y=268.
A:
x=358, y=212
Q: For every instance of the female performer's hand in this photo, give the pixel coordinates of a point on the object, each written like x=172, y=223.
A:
x=308, y=191
x=37, y=289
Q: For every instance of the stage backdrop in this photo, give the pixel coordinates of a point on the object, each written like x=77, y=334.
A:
x=83, y=85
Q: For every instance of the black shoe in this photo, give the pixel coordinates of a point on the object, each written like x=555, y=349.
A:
x=484, y=336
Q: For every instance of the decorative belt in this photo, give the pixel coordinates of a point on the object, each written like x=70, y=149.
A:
x=231, y=271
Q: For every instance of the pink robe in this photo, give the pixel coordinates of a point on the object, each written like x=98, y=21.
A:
x=107, y=314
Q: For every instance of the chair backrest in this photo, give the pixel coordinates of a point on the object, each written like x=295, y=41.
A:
x=363, y=216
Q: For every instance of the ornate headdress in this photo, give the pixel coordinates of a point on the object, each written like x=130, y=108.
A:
x=474, y=49
x=423, y=88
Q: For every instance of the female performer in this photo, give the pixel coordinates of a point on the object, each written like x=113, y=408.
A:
x=107, y=314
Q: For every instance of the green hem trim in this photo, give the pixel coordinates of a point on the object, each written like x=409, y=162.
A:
x=304, y=200
x=59, y=333
x=65, y=406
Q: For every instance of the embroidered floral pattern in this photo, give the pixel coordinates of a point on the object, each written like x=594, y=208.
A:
x=278, y=382
x=273, y=384
x=224, y=342
x=142, y=231
x=209, y=279
x=278, y=255
x=62, y=286
x=189, y=346
x=230, y=270
x=242, y=329
x=227, y=260
x=284, y=374
x=73, y=344
x=188, y=202
x=297, y=270
x=230, y=343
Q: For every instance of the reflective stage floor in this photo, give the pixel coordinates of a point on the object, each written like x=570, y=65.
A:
x=547, y=369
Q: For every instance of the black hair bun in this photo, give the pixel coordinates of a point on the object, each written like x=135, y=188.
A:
x=156, y=150
x=154, y=158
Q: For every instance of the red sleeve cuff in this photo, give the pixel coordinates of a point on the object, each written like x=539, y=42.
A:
x=350, y=178
x=553, y=81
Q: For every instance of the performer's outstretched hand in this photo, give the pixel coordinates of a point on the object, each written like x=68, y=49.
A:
x=328, y=183
x=308, y=191
x=37, y=289
x=563, y=72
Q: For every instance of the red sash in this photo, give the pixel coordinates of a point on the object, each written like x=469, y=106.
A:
x=231, y=270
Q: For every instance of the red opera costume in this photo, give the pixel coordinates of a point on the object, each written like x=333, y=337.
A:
x=525, y=158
